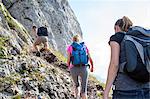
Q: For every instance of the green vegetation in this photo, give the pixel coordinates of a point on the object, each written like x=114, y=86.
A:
x=18, y=96
x=3, y=49
x=39, y=77
x=93, y=79
x=42, y=65
x=60, y=56
x=11, y=79
x=54, y=71
x=14, y=24
x=25, y=50
x=99, y=94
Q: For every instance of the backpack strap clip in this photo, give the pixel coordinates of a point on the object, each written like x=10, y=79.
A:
x=121, y=67
x=138, y=46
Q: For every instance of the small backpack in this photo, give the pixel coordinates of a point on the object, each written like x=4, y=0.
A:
x=79, y=54
x=136, y=46
x=42, y=31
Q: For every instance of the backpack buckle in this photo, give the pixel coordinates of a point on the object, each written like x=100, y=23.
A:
x=81, y=64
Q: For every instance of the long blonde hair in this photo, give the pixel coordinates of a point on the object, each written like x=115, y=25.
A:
x=76, y=38
x=124, y=23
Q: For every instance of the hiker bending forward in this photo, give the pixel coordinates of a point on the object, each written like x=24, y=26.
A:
x=78, y=57
x=41, y=38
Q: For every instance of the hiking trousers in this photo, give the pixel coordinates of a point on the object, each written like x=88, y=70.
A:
x=132, y=94
x=82, y=72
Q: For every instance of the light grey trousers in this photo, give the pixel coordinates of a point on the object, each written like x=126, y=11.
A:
x=82, y=72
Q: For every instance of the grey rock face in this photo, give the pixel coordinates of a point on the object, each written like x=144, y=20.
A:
x=28, y=75
x=52, y=83
x=15, y=40
x=55, y=14
x=22, y=74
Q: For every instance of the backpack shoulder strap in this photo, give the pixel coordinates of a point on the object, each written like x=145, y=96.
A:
x=73, y=46
x=83, y=45
x=142, y=30
x=139, y=47
x=76, y=46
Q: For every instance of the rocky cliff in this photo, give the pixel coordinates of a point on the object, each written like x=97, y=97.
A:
x=55, y=14
x=24, y=75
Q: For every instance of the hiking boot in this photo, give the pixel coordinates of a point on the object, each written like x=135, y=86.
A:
x=42, y=50
x=38, y=54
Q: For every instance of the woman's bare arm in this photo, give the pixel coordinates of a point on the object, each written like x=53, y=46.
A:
x=113, y=67
x=91, y=62
x=68, y=58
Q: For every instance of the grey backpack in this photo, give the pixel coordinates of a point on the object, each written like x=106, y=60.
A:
x=136, y=46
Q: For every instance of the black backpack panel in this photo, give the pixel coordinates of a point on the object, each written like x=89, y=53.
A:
x=42, y=31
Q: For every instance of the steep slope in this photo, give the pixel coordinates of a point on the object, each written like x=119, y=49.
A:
x=22, y=74
x=56, y=14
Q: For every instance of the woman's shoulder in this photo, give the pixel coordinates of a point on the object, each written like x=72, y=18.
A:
x=117, y=37
x=69, y=49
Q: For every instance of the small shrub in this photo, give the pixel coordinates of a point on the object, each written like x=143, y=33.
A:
x=11, y=79
x=18, y=96
x=60, y=56
x=3, y=48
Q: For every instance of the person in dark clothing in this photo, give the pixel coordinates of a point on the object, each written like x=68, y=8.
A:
x=41, y=38
x=123, y=86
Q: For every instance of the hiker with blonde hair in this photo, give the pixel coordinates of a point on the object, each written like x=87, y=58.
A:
x=78, y=58
x=127, y=74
